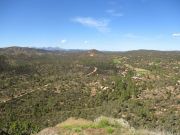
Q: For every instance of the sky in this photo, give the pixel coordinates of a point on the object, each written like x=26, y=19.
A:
x=114, y=25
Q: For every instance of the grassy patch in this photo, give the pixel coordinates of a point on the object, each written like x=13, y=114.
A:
x=117, y=60
x=102, y=124
x=142, y=71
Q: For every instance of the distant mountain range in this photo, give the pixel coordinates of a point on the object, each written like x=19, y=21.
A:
x=17, y=49
x=60, y=49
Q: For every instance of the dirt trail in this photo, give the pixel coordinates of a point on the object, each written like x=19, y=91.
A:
x=16, y=97
x=94, y=71
x=19, y=96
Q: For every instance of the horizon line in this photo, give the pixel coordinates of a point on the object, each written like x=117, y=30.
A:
x=44, y=48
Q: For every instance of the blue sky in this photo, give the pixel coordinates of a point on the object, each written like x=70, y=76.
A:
x=86, y=24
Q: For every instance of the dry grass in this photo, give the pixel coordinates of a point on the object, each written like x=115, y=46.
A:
x=75, y=122
x=100, y=126
x=147, y=132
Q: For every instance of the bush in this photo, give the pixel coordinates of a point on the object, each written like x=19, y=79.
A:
x=22, y=128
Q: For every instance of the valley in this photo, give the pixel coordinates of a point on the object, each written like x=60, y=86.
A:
x=41, y=88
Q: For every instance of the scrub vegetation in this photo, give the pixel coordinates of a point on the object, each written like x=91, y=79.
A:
x=39, y=89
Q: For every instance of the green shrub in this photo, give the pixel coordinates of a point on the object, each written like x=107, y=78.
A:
x=22, y=128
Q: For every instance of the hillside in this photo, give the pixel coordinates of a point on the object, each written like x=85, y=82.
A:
x=100, y=126
x=40, y=88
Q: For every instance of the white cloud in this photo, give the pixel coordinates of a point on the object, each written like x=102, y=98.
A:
x=63, y=41
x=176, y=35
x=113, y=12
x=99, y=24
x=85, y=42
x=110, y=11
